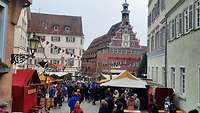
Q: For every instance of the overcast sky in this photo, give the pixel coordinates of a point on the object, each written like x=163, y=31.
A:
x=98, y=15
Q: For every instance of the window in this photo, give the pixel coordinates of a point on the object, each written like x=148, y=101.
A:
x=70, y=39
x=177, y=26
x=70, y=62
x=182, y=81
x=180, y=25
x=164, y=77
x=55, y=61
x=190, y=17
x=80, y=52
x=29, y=61
x=197, y=14
x=173, y=78
x=169, y=30
x=81, y=41
x=54, y=50
x=147, y=46
x=56, y=28
x=186, y=21
x=67, y=28
x=62, y=60
x=55, y=39
x=156, y=74
x=173, y=29
x=40, y=50
x=152, y=73
x=70, y=51
x=149, y=19
x=157, y=40
x=163, y=4
x=152, y=43
x=162, y=37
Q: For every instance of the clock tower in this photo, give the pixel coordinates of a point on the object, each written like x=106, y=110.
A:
x=125, y=32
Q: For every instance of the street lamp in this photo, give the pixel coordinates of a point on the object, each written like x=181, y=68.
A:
x=33, y=45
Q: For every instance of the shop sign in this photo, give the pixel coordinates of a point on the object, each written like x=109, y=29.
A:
x=31, y=91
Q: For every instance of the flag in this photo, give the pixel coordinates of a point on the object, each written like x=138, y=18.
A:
x=47, y=43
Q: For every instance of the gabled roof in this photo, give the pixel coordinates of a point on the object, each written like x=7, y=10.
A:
x=103, y=40
x=23, y=76
x=43, y=23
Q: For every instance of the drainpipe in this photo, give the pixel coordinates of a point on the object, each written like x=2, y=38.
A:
x=166, y=35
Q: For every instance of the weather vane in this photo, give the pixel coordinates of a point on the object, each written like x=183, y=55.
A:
x=125, y=1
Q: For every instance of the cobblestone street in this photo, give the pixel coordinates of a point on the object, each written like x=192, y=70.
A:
x=87, y=108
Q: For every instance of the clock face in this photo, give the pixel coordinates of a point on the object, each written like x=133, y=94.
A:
x=125, y=44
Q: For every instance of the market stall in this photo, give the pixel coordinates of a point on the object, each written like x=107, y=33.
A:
x=158, y=95
x=23, y=91
x=127, y=80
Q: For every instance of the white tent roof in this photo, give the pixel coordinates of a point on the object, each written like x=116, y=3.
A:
x=126, y=82
x=126, y=79
x=60, y=74
x=108, y=76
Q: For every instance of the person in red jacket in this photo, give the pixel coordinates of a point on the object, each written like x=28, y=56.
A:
x=77, y=108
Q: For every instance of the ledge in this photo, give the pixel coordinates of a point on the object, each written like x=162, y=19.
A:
x=183, y=97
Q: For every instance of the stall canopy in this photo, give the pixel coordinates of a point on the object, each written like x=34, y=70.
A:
x=23, y=77
x=44, y=78
x=126, y=79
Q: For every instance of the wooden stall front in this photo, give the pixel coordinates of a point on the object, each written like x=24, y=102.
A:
x=24, y=95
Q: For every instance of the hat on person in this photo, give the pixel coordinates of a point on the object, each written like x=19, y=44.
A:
x=135, y=95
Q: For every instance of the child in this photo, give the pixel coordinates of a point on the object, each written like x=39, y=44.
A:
x=77, y=108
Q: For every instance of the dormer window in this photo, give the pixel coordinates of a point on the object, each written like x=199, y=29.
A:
x=56, y=28
x=67, y=28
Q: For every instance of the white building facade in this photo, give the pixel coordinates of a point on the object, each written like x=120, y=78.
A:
x=61, y=41
x=156, y=41
x=21, y=35
x=182, y=53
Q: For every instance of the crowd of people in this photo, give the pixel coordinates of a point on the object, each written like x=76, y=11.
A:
x=112, y=101
x=115, y=102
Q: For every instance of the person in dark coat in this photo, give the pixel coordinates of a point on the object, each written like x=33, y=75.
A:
x=70, y=91
x=122, y=100
x=119, y=108
x=110, y=102
x=103, y=107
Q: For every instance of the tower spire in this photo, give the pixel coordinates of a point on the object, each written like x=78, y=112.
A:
x=125, y=12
